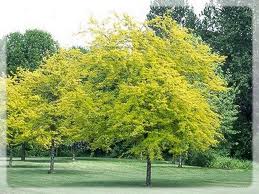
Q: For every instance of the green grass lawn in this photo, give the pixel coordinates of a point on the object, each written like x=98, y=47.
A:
x=103, y=172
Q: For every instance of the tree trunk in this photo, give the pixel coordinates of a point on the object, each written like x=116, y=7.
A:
x=148, y=175
x=56, y=152
x=10, y=157
x=73, y=152
x=173, y=160
x=52, y=156
x=180, y=165
x=23, y=151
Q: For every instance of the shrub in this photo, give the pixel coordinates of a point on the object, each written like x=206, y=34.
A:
x=230, y=163
x=199, y=159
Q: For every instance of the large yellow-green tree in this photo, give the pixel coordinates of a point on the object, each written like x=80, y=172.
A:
x=154, y=90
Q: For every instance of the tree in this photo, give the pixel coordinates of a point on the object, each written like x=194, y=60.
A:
x=19, y=127
x=15, y=51
x=44, y=91
x=38, y=44
x=15, y=121
x=155, y=88
x=27, y=51
x=229, y=32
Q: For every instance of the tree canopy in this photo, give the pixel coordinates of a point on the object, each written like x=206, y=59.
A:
x=29, y=49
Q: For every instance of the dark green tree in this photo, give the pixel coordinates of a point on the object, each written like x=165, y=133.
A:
x=184, y=15
x=28, y=50
x=229, y=31
x=15, y=51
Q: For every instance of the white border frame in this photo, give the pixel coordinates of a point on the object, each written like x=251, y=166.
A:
x=253, y=189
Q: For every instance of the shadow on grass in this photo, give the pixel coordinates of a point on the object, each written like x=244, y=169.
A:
x=95, y=159
x=185, y=183
x=120, y=160
x=47, y=161
x=55, y=180
x=25, y=166
x=113, y=160
x=58, y=172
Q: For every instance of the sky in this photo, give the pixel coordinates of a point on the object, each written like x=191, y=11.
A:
x=65, y=18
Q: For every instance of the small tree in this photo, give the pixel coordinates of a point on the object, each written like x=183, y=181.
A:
x=44, y=90
x=15, y=119
x=19, y=115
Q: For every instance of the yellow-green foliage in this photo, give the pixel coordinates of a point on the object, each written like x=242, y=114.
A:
x=36, y=101
x=151, y=91
x=158, y=86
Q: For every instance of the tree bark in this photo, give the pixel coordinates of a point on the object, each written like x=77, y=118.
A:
x=10, y=157
x=52, y=157
x=56, y=152
x=73, y=152
x=180, y=165
x=148, y=173
x=23, y=151
x=141, y=156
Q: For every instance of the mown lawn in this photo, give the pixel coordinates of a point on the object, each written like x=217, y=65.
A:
x=103, y=172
